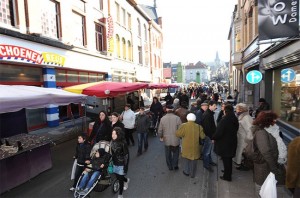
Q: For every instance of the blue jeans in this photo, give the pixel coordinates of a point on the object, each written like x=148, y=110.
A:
x=207, y=147
x=86, y=178
x=172, y=155
x=142, y=138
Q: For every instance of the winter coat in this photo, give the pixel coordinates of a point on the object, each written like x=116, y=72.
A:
x=266, y=145
x=182, y=113
x=208, y=123
x=82, y=152
x=157, y=109
x=96, y=162
x=199, y=115
x=220, y=116
x=120, y=154
x=142, y=123
x=169, y=100
x=184, y=99
x=101, y=131
x=167, y=128
x=226, y=136
x=190, y=133
x=244, y=134
x=118, y=124
x=293, y=164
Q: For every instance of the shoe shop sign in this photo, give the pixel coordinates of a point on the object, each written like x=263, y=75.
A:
x=22, y=54
x=278, y=19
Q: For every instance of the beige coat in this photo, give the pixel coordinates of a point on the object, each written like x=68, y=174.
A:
x=190, y=132
x=244, y=133
x=167, y=128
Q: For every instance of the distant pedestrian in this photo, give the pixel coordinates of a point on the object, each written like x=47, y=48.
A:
x=200, y=112
x=191, y=134
x=182, y=112
x=175, y=104
x=221, y=113
x=82, y=155
x=101, y=129
x=169, y=99
x=244, y=133
x=157, y=109
x=142, y=128
x=263, y=106
x=194, y=107
x=167, y=133
x=235, y=96
x=293, y=167
x=120, y=159
x=184, y=100
x=128, y=118
x=209, y=126
x=226, y=140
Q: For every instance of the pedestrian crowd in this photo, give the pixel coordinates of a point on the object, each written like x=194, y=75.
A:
x=242, y=140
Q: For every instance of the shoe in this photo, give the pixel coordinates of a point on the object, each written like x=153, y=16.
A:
x=86, y=190
x=222, y=171
x=120, y=196
x=176, y=168
x=185, y=173
x=212, y=164
x=170, y=169
x=145, y=149
x=222, y=177
x=72, y=189
x=126, y=185
x=209, y=169
x=242, y=168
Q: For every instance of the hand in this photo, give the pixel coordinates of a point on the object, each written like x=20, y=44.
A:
x=161, y=139
x=87, y=161
x=213, y=141
x=74, y=157
x=102, y=165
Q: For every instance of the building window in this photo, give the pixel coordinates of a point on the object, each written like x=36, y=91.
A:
x=129, y=21
x=139, y=28
x=129, y=51
x=79, y=35
x=8, y=12
x=145, y=32
x=140, y=55
x=288, y=107
x=118, y=46
x=124, y=48
x=118, y=12
x=100, y=41
x=124, y=17
x=51, y=20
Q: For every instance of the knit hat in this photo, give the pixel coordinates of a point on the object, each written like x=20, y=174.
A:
x=191, y=117
x=204, y=104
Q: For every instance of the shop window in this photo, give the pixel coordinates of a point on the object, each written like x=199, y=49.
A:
x=93, y=77
x=72, y=76
x=100, y=77
x=83, y=77
x=8, y=12
x=10, y=73
x=61, y=76
x=36, y=118
x=51, y=20
x=290, y=99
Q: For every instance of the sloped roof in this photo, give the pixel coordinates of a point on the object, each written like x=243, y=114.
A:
x=198, y=65
x=151, y=12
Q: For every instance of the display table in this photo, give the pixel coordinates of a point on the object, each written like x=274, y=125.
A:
x=17, y=168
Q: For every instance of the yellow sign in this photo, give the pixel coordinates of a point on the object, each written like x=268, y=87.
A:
x=53, y=58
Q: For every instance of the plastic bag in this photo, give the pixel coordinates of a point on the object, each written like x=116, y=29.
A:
x=268, y=189
x=74, y=169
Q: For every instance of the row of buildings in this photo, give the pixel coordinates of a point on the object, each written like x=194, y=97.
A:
x=55, y=43
x=216, y=71
x=248, y=53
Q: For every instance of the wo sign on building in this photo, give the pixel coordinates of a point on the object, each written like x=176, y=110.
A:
x=278, y=18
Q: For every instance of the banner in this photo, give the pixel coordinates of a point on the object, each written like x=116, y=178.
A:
x=278, y=19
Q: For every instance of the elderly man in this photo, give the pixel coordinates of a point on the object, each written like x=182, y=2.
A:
x=191, y=134
x=166, y=131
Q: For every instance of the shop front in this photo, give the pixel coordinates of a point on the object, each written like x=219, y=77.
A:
x=282, y=72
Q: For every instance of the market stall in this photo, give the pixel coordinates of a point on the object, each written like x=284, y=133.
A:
x=24, y=156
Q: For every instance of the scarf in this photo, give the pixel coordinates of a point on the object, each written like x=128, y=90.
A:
x=274, y=131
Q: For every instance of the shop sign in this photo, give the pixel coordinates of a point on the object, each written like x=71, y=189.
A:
x=22, y=54
x=110, y=34
x=254, y=77
x=288, y=75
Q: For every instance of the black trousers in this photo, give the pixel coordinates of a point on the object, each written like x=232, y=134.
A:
x=128, y=136
x=227, y=163
x=121, y=179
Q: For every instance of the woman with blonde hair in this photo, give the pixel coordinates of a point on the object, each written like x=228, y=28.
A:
x=244, y=133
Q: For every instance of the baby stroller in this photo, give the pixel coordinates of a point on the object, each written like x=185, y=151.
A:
x=154, y=123
x=104, y=180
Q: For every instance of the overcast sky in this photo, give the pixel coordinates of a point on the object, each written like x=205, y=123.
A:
x=194, y=30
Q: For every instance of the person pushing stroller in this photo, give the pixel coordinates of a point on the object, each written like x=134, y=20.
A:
x=93, y=170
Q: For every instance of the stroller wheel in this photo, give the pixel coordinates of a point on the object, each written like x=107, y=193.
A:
x=115, y=186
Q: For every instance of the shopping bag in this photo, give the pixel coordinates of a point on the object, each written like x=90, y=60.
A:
x=268, y=189
x=74, y=169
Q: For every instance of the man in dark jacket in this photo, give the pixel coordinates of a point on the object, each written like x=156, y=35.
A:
x=184, y=99
x=226, y=140
x=200, y=112
x=142, y=124
x=209, y=126
x=169, y=99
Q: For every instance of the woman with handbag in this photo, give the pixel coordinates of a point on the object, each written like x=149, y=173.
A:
x=270, y=151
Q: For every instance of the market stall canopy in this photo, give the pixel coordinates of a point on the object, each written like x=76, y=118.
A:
x=106, y=89
x=173, y=86
x=16, y=97
x=158, y=86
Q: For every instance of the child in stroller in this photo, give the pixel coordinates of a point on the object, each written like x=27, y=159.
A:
x=93, y=170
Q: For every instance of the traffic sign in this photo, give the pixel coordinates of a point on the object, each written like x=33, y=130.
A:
x=254, y=77
x=288, y=75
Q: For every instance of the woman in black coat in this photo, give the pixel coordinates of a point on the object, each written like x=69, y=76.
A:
x=102, y=128
x=226, y=140
x=115, y=121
